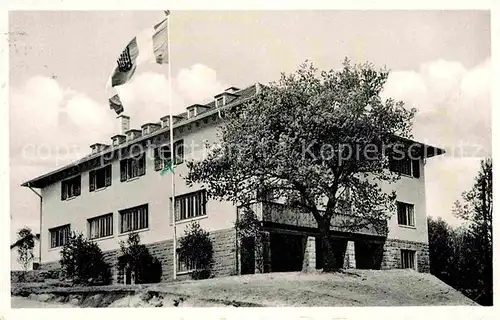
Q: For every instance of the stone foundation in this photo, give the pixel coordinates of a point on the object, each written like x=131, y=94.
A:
x=392, y=254
x=224, y=256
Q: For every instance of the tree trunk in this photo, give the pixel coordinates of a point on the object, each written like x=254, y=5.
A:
x=329, y=258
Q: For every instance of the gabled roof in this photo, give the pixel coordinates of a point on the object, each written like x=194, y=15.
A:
x=244, y=95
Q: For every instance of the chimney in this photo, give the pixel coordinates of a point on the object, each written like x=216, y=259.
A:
x=124, y=123
x=257, y=88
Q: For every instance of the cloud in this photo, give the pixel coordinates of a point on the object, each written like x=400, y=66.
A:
x=454, y=104
x=199, y=83
x=52, y=125
x=455, y=113
x=55, y=125
x=146, y=97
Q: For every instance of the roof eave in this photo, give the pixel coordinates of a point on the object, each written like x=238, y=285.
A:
x=34, y=183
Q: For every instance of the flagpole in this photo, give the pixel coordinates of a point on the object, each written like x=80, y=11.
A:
x=172, y=151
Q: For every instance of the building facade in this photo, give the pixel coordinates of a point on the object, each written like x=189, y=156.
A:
x=118, y=189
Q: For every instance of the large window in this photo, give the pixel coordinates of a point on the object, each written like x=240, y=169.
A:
x=101, y=226
x=100, y=178
x=134, y=219
x=71, y=188
x=190, y=205
x=406, y=214
x=407, y=259
x=59, y=236
x=133, y=167
x=405, y=166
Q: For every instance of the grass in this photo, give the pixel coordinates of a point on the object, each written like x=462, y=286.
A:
x=350, y=288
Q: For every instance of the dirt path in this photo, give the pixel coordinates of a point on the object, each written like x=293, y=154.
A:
x=20, y=302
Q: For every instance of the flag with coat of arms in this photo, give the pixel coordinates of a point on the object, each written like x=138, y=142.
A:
x=150, y=45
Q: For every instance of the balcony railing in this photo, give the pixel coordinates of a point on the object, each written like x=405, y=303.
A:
x=294, y=216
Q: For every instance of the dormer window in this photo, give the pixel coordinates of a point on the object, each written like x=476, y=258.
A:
x=219, y=102
x=191, y=113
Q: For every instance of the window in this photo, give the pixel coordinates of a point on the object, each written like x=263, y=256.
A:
x=163, y=156
x=100, y=227
x=190, y=205
x=134, y=219
x=59, y=236
x=192, y=112
x=407, y=259
x=179, y=152
x=219, y=102
x=100, y=178
x=185, y=267
x=406, y=215
x=405, y=166
x=133, y=167
x=70, y=188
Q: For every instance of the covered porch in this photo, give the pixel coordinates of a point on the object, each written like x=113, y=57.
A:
x=288, y=240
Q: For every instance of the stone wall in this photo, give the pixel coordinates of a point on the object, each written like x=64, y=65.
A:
x=392, y=254
x=224, y=246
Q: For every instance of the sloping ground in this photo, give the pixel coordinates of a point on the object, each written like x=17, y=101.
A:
x=350, y=288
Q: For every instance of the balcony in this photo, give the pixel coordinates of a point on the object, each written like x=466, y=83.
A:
x=282, y=214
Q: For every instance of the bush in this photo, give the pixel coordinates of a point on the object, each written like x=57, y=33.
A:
x=136, y=256
x=82, y=261
x=196, y=251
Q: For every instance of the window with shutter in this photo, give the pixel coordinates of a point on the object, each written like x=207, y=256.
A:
x=92, y=181
x=59, y=236
x=162, y=157
x=179, y=152
x=406, y=215
x=108, y=176
x=158, y=162
x=416, y=168
x=100, y=178
x=141, y=162
x=64, y=191
x=70, y=188
x=123, y=170
x=402, y=166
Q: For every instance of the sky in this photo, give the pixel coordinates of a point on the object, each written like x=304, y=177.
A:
x=60, y=61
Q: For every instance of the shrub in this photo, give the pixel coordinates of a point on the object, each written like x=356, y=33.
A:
x=83, y=261
x=136, y=256
x=196, y=251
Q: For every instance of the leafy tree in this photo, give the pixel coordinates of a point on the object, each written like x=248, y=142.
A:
x=83, y=261
x=25, y=244
x=442, y=250
x=196, y=250
x=136, y=256
x=476, y=209
x=315, y=139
